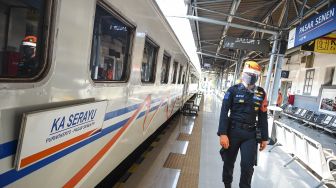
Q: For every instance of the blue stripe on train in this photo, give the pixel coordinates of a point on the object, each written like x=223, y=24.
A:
x=9, y=148
x=119, y=112
x=13, y=175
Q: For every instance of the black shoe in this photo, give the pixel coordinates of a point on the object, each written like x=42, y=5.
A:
x=227, y=185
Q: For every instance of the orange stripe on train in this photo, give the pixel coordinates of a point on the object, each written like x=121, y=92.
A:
x=40, y=155
x=83, y=172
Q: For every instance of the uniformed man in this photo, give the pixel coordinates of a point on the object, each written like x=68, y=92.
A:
x=247, y=104
x=28, y=65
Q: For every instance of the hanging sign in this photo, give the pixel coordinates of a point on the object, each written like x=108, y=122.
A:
x=326, y=44
x=314, y=27
x=247, y=44
x=44, y=133
x=284, y=74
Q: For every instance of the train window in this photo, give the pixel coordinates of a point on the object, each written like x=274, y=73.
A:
x=111, y=47
x=180, y=74
x=165, y=68
x=175, y=72
x=21, y=36
x=193, y=79
x=148, y=65
x=183, y=78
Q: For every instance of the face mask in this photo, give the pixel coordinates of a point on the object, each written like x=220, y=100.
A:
x=249, y=78
x=27, y=51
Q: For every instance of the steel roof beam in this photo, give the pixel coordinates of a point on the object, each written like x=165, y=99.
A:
x=267, y=16
x=238, y=17
x=305, y=5
x=211, y=43
x=311, y=11
x=217, y=22
x=265, y=19
x=296, y=8
x=234, y=8
x=259, y=7
x=211, y=40
x=283, y=11
x=209, y=2
x=302, y=9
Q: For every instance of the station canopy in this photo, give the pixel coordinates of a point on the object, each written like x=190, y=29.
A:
x=212, y=35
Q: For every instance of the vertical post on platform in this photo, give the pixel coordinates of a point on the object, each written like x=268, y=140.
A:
x=226, y=77
x=270, y=65
x=238, y=67
x=277, y=80
x=235, y=73
x=221, y=80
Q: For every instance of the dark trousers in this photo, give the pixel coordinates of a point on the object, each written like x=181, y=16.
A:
x=245, y=140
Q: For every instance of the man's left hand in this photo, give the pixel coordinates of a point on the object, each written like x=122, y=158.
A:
x=263, y=145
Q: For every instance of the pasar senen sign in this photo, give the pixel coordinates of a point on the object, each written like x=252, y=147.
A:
x=44, y=133
x=314, y=27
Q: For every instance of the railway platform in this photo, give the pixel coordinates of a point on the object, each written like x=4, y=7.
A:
x=186, y=154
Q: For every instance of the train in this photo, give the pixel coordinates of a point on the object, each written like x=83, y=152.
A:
x=82, y=85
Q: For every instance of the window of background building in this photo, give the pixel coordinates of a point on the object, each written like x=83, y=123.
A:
x=308, y=60
x=21, y=24
x=329, y=76
x=175, y=72
x=180, y=75
x=148, y=66
x=110, y=47
x=165, y=68
x=308, y=84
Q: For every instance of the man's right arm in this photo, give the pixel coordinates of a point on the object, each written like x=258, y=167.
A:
x=224, y=119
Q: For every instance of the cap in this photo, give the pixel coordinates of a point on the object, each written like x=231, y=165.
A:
x=252, y=67
x=29, y=41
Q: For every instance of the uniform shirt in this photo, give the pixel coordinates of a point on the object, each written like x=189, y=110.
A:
x=245, y=107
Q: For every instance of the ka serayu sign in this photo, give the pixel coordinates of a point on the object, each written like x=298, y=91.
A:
x=247, y=44
x=44, y=133
x=314, y=27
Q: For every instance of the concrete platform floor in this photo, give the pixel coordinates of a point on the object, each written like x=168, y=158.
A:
x=269, y=173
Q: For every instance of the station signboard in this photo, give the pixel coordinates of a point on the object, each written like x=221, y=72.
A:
x=247, y=44
x=284, y=74
x=326, y=44
x=44, y=133
x=314, y=27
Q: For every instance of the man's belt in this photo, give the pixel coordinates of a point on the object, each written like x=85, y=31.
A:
x=246, y=126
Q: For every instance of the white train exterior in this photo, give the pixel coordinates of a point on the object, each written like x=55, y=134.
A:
x=134, y=110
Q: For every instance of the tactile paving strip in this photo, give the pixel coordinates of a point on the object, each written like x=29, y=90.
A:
x=190, y=162
x=184, y=137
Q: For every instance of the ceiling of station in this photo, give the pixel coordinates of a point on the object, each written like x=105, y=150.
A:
x=274, y=15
